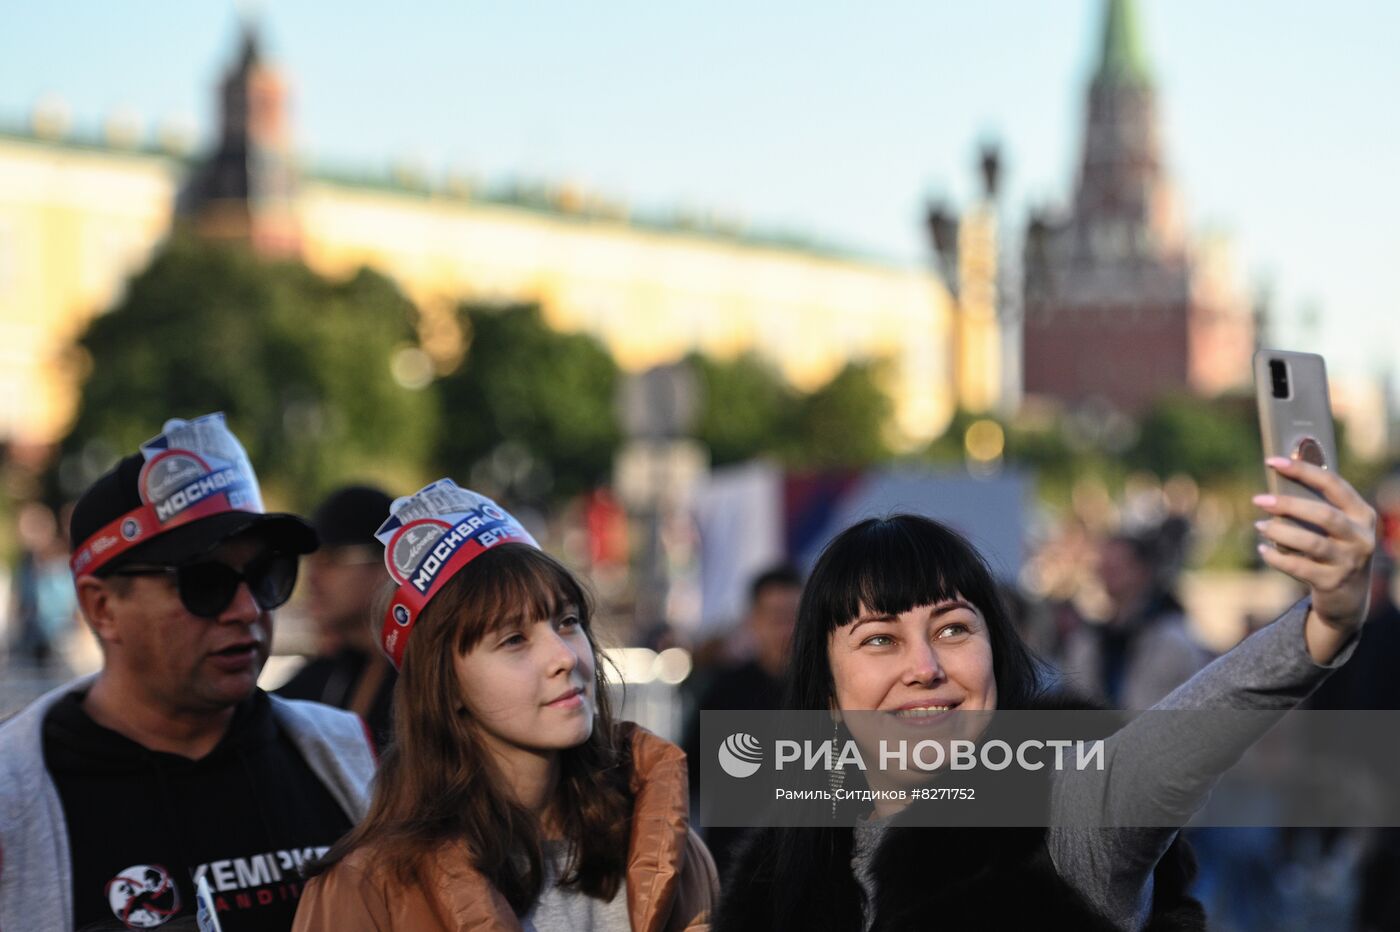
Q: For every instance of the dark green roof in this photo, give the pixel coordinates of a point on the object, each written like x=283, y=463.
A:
x=541, y=198
x=536, y=197
x=1122, y=60
x=91, y=142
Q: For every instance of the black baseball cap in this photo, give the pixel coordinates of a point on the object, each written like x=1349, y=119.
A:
x=350, y=515
x=117, y=493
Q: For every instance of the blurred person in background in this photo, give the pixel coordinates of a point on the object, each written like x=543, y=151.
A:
x=1145, y=648
x=757, y=682
x=45, y=606
x=1254, y=878
x=754, y=683
x=1369, y=682
x=343, y=578
x=118, y=789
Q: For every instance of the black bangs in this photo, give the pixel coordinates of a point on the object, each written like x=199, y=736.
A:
x=891, y=565
x=514, y=584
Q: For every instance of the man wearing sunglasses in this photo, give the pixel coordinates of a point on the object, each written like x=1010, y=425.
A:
x=118, y=792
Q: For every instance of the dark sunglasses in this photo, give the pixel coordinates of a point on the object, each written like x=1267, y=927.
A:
x=207, y=589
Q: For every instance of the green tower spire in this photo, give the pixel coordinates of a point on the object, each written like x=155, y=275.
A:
x=1123, y=60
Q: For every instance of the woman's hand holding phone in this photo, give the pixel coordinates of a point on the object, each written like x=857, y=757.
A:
x=1332, y=557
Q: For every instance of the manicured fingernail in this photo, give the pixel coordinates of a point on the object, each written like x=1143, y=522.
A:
x=1263, y=549
x=1265, y=501
x=1260, y=525
x=1277, y=461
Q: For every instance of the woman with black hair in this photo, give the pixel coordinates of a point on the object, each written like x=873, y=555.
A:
x=901, y=616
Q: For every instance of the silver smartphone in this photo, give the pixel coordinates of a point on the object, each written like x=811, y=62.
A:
x=1295, y=414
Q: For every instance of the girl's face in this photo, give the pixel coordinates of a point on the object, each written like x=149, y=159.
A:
x=917, y=664
x=531, y=686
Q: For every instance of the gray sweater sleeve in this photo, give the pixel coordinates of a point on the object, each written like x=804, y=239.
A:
x=1163, y=759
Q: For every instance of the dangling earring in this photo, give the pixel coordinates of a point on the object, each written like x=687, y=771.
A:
x=836, y=776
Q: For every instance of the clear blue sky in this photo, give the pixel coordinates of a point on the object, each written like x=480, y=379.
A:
x=830, y=119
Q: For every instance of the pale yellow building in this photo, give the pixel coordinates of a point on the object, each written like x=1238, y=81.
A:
x=75, y=221
x=77, y=218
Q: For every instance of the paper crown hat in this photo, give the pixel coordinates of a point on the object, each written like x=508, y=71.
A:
x=427, y=539
x=188, y=489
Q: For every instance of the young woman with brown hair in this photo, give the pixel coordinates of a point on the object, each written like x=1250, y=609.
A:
x=510, y=798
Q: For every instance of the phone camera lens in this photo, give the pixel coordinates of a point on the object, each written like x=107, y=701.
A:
x=1278, y=377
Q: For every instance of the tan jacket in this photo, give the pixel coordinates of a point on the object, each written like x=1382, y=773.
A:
x=671, y=880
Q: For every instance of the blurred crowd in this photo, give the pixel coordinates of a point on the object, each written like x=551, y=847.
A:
x=1121, y=636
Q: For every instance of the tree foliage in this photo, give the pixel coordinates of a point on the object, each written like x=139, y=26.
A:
x=843, y=423
x=531, y=411
x=301, y=365
x=749, y=410
x=1206, y=440
x=746, y=408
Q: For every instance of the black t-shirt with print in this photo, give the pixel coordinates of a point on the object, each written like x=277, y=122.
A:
x=143, y=824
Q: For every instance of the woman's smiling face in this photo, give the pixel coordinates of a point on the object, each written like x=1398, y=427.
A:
x=922, y=662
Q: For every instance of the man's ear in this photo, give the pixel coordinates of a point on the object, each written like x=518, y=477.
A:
x=95, y=598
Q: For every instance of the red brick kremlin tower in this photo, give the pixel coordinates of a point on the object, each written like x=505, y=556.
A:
x=1119, y=306
x=245, y=189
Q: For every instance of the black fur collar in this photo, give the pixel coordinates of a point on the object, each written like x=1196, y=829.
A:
x=969, y=879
